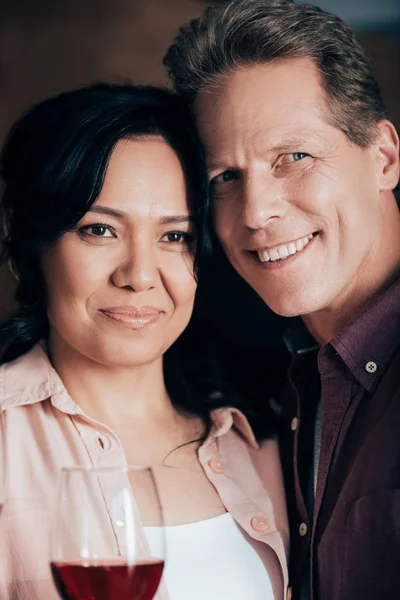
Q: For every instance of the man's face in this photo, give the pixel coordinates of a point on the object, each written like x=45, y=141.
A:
x=296, y=206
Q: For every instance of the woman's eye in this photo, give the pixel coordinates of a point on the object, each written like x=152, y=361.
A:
x=97, y=230
x=176, y=237
x=225, y=177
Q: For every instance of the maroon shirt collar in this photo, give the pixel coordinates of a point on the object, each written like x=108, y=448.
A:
x=371, y=339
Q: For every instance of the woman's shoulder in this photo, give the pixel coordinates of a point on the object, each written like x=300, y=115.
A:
x=229, y=419
x=25, y=377
x=233, y=420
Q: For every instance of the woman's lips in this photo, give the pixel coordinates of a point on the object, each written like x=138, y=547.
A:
x=132, y=317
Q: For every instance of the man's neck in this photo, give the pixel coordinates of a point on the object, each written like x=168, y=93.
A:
x=324, y=325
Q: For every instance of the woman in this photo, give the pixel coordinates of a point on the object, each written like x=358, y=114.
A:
x=105, y=208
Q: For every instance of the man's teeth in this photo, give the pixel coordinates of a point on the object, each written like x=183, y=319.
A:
x=284, y=251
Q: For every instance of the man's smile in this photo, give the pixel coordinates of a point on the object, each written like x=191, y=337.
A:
x=284, y=251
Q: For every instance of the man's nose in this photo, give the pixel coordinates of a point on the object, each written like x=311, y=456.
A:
x=137, y=269
x=263, y=200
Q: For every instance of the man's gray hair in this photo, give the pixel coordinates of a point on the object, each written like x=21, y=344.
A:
x=245, y=32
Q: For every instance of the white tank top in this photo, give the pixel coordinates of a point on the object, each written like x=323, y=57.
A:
x=212, y=560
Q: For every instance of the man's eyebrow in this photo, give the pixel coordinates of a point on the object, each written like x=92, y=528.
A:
x=217, y=166
x=295, y=143
x=105, y=210
x=217, y=162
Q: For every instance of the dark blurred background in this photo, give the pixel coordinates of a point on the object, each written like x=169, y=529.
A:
x=48, y=46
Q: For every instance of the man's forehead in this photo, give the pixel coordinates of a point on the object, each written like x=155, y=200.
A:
x=262, y=101
x=286, y=133
x=293, y=80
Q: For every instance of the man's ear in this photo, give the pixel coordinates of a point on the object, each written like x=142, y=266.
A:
x=386, y=146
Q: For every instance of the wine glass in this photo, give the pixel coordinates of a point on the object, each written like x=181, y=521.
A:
x=99, y=547
x=2, y=461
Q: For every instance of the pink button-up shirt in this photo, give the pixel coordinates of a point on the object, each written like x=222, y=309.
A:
x=46, y=430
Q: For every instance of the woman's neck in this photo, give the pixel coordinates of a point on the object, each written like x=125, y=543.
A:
x=112, y=394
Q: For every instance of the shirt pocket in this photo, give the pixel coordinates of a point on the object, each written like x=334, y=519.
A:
x=377, y=514
x=361, y=559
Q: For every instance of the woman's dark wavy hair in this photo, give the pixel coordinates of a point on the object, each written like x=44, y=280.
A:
x=53, y=165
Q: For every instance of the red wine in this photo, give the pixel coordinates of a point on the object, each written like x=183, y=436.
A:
x=107, y=580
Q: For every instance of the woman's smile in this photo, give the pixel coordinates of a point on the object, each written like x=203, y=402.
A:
x=133, y=317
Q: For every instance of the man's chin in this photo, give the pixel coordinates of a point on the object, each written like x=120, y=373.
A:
x=288, y=307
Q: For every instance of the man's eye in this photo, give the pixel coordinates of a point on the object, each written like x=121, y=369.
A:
x=225, y=177
x=97, y=230
x=296, y=156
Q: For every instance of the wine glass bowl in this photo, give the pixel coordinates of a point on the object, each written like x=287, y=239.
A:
x=105, y=580
x=99, y=549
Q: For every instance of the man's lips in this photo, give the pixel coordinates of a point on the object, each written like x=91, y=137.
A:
x=280, y=256
x=283, y=251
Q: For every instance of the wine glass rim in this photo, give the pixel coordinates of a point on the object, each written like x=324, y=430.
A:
x=91, y=468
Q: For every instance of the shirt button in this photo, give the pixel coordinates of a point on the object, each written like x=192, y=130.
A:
x=371, y=367
x=294, y=424
x=260, y=524
x=217, y=466
x=303, y=529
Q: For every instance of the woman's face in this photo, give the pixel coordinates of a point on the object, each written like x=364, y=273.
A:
x=120, y=285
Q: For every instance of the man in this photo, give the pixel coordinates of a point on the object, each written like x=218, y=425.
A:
x=302, y=164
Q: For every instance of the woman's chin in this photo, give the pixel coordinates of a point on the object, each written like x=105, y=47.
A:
x=123, y=358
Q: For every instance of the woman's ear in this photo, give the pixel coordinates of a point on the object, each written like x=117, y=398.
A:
x=386, y=144
x=12, y=270
x=3, y=239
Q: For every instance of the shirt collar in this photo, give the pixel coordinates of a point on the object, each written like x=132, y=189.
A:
x=227, y=418
x=298, y=340
x=368, y=343
x=31, y=378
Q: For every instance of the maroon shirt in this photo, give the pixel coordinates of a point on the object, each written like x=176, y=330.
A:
x=351, y=540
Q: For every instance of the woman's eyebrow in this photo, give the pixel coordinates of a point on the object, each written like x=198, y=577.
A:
x=120, y=215
x=105, y=210
x=177, y=219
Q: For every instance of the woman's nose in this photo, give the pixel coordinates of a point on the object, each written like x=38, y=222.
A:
x=137, y=271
